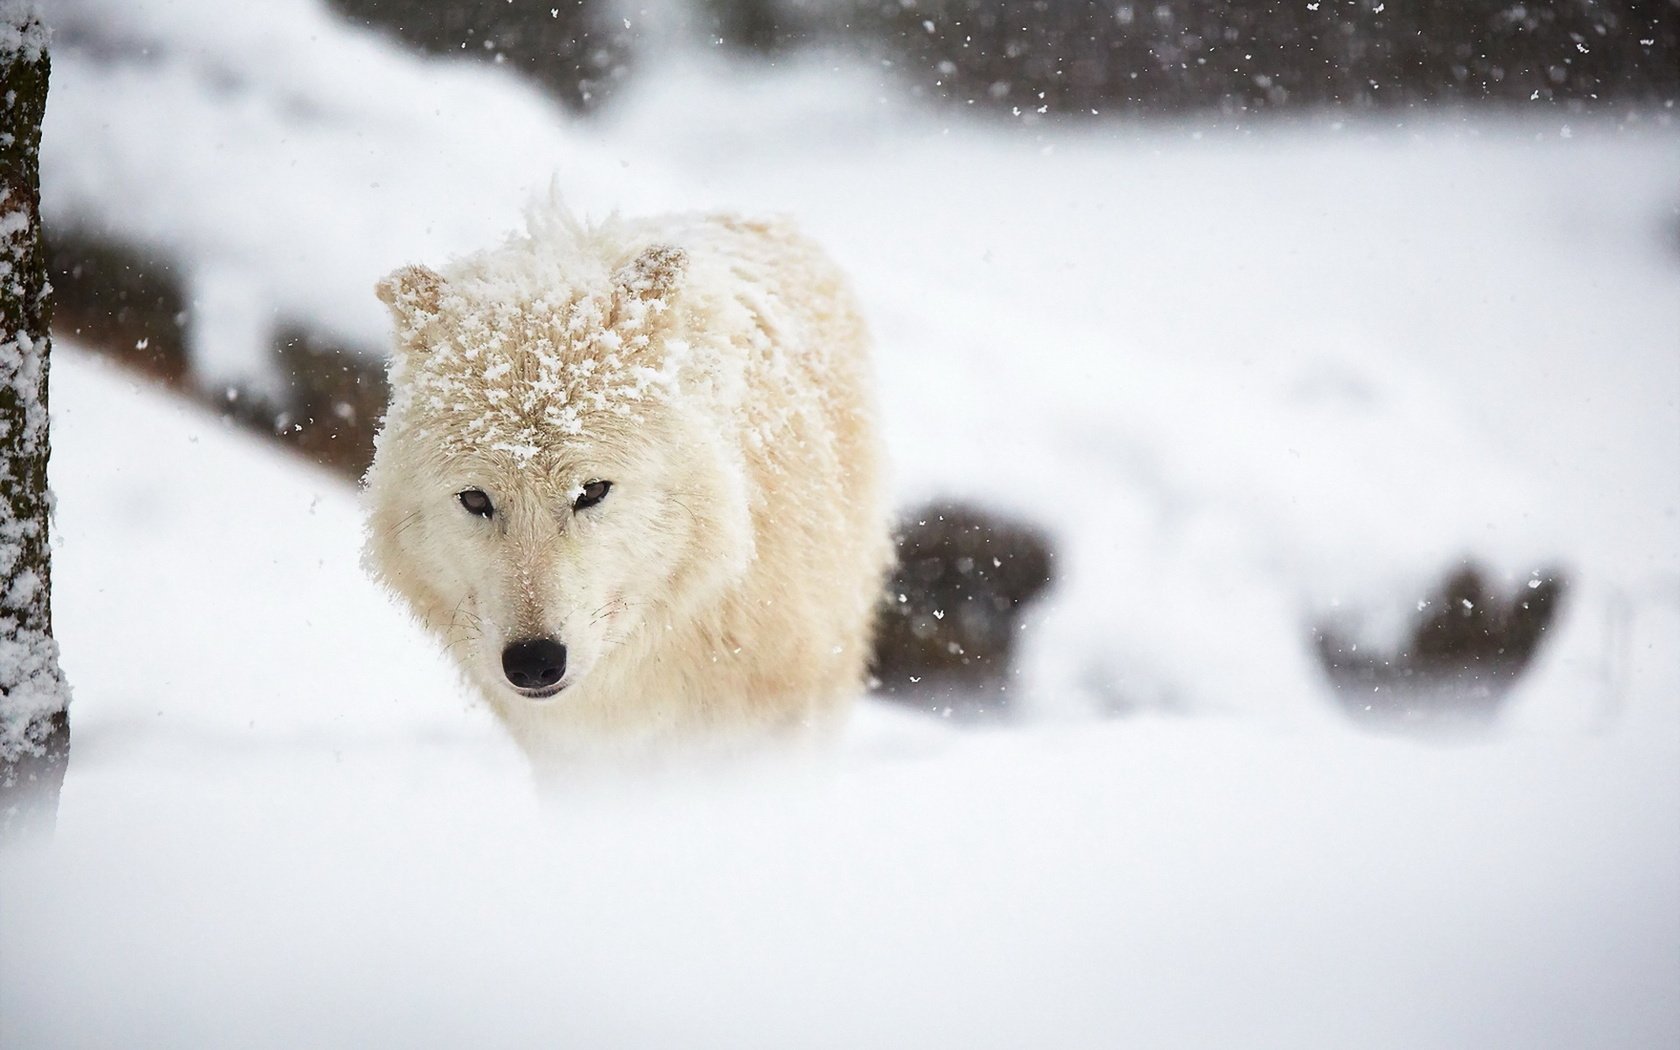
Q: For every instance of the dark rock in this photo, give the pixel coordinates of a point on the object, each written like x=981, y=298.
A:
x=1248, y=56
x=760, y=27
x=120, y=300
x=1468, y=646
x=949, y=622
x=577, y=50
x=132, y=307
x=329, y=411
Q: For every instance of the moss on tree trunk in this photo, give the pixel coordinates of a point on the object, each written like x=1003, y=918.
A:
x=34, y=728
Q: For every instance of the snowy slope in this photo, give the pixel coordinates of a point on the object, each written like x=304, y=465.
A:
x=282, y=828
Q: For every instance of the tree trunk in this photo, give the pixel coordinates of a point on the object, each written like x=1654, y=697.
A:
x=34, y=727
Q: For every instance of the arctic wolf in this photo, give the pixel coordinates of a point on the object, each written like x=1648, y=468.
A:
x=630, y=478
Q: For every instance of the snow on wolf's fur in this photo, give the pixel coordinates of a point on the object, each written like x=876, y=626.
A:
x=714, y=373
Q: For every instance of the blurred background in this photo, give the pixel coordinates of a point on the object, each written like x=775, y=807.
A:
x=1264, y=328
x=1284, y=404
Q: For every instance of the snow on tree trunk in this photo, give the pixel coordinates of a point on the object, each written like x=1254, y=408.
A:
x=34, y=727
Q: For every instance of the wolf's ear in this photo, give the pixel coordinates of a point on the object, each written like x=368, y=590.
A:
x=652, y=276
x=414, y=294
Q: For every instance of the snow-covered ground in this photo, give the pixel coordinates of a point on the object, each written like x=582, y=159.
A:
x=1245, y=378
x=283, y=826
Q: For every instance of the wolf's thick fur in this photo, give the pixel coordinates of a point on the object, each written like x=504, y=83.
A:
x=716, y=372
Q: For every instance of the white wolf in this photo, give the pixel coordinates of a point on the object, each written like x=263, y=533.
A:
x=630, y=477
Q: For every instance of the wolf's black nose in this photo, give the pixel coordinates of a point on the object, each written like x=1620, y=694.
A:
x=535, y=663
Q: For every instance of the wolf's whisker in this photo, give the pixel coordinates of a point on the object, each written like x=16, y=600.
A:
x=399, y=527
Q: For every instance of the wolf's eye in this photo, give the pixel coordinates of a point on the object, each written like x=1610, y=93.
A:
x=476, y=502
x=592, y=493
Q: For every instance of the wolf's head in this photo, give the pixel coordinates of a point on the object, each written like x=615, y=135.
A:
x=547, y=491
